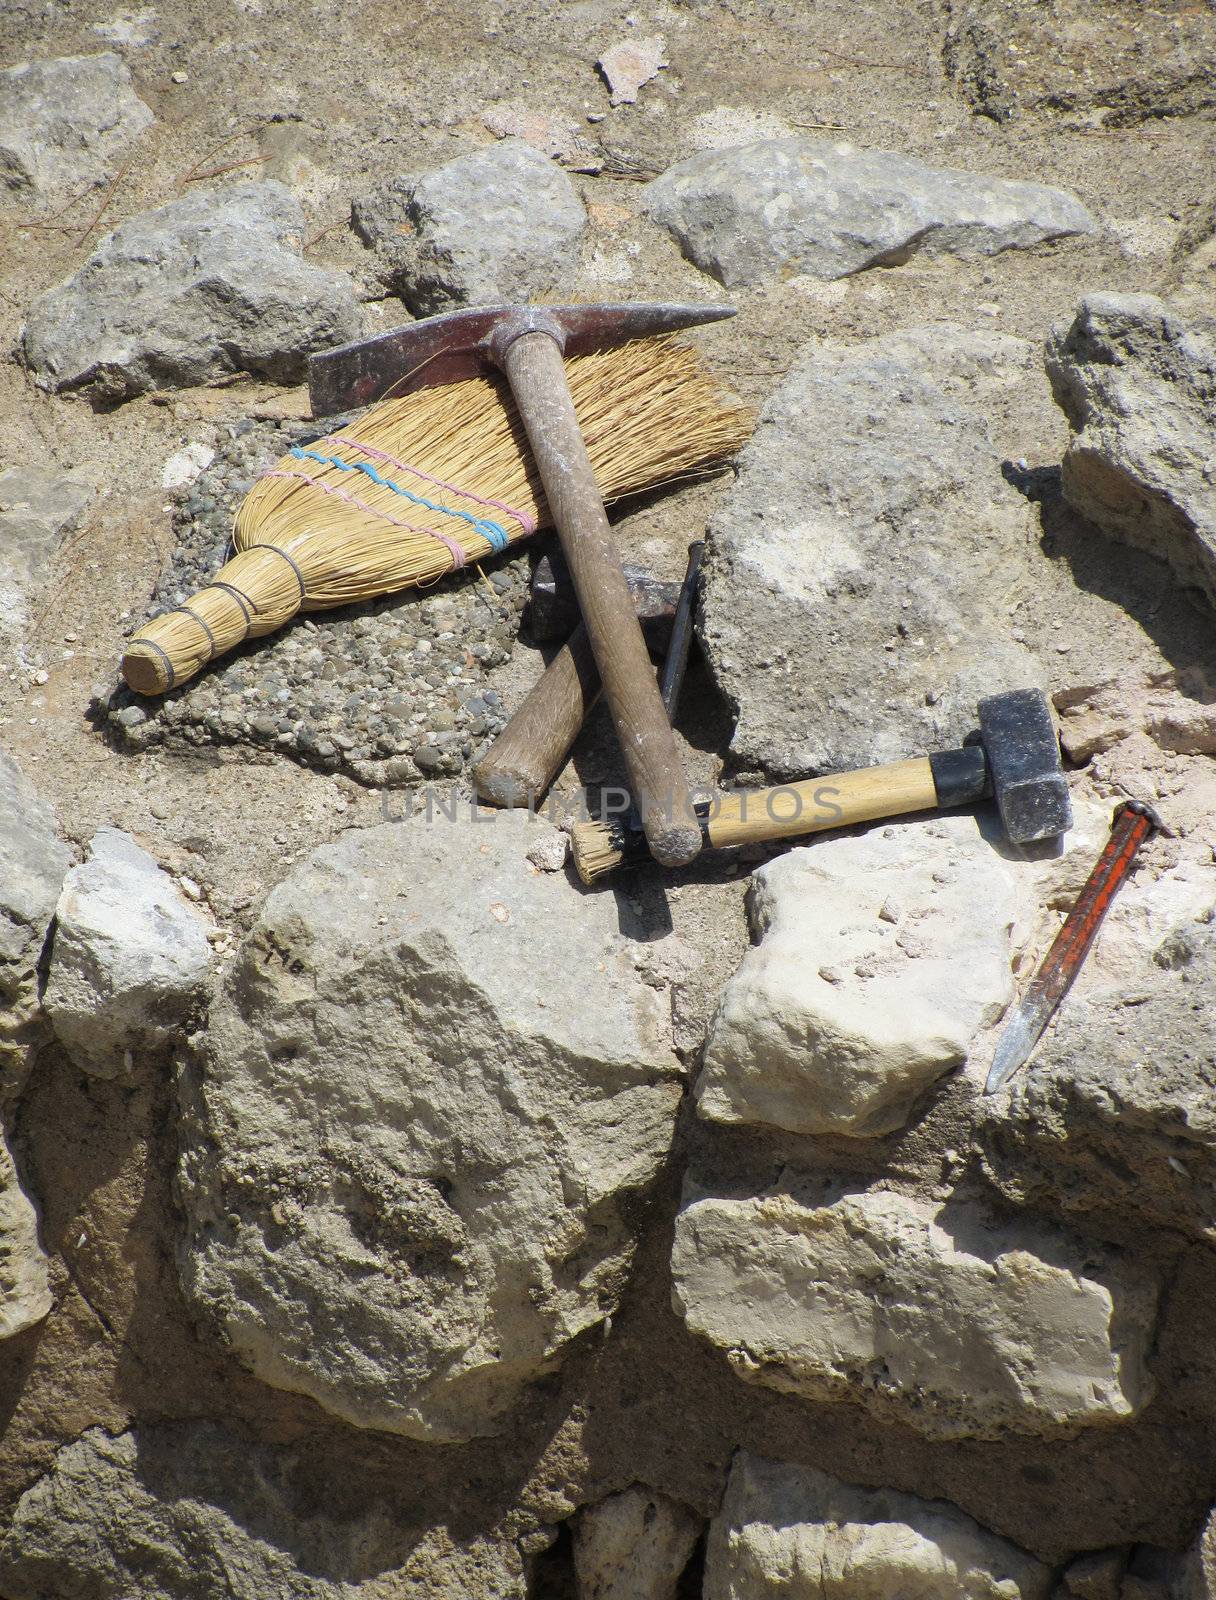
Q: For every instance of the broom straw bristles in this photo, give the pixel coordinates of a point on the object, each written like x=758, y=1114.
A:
x=310, y=535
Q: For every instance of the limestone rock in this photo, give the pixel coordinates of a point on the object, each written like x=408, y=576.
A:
x=864, y=454
x=633, y=1546
x=938, y=1316
x=25, y=1291
x=33, y=861
x=1116, y=69
x=190, y=1511
x=1137, y=383
x=66, y=124
x=39, y=507
x=128, y=961
x=1117, y=1109
x=779, y=207
x=1176, y=709
x=501, y=224
x=785, y=1530
x=209, y=284
x=419, y=1118
x=878, y=959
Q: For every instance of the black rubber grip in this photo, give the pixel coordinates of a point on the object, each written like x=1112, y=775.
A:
x=961, y=776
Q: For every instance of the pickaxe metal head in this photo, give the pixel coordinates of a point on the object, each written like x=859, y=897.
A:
x=461, y=344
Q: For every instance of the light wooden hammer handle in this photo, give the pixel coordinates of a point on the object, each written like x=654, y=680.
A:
x=537, y=375
x=816, y=804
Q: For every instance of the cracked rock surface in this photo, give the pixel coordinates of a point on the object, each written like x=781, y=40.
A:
x=859, y=1297
x=784, y=1529
x=877, y=960
x=864, y=452
x=418, y=1120
x=66, y=122
x=1137, y=382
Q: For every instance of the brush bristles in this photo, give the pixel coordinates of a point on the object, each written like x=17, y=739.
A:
x=598, y=848
x=310, y=535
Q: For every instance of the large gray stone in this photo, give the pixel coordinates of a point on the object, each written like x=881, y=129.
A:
x=780, y=207
x=39, y=506
x=129, y=958
x=633, y=1546
x=1116, y=1111
x=501, y=224
x=190, y=1511
x=786, y=1531
x=870, y=524
x=1137, y=382
x=426, y=1098
x=209, y=284
x=935, y=1315
x=33, y=861
x=66, y=124
x=25, y=1291
x=878, y=959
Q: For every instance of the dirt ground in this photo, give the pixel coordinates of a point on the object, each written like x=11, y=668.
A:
x=331, y=99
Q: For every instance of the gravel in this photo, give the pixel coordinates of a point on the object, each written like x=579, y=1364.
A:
x=387, y=692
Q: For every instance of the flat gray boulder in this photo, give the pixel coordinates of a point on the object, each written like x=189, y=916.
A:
x=939, y=1316
x=209, y=284
x=1137, y=382
x=777, y=208
x=854, y=603
x=128, y=962
x=65, y=125
x=878, y=958
x=787, y=1530
x=425, y=1101
x=501, y=224
x=33, y=862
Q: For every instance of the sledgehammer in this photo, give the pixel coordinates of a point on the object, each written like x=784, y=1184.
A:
x=527, y=344
x=1015, y=758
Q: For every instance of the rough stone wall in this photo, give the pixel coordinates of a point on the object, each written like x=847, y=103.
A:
x=384, y=1216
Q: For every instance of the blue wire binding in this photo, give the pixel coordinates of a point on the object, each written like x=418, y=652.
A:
x=497, y=536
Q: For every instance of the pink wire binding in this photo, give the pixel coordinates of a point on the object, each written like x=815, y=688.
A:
x=527, y=523
x=459, y=558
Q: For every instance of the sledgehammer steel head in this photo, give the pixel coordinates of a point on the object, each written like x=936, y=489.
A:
x=1023, y=751
x=456, y=345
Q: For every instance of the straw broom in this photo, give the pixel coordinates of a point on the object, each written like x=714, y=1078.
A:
x=422, y=485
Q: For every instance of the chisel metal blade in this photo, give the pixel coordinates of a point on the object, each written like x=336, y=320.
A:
x=1132, y=823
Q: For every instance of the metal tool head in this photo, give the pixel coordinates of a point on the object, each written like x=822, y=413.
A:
x=457, y=345
x=553, y=611
x=1023, y=750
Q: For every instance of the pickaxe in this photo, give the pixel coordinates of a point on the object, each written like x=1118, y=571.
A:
x=528, y=345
